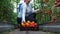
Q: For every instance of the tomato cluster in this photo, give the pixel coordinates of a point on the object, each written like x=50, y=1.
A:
x=29, y=24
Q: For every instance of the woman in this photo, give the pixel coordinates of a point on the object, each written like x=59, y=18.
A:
x=26, y=12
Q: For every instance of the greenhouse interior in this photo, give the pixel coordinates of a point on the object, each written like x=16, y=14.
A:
x=47, y=17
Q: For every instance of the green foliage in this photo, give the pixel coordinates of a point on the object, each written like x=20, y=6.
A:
x=17, y=1
x=6, y=12
x=48, y=5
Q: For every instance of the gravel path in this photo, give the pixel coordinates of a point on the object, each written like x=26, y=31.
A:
x=28, y=32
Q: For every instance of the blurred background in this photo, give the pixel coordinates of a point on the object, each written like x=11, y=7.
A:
x=48, y=11
x=8, y=10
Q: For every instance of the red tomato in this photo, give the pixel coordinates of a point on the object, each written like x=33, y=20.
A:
x=23, y=24
x=35, y=24
x=47, y=12
x=32, y=25
x=28, y=24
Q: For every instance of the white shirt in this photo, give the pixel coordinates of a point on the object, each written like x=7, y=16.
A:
x=23, y=9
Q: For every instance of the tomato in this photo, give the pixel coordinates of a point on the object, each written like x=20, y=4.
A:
x=28, y=24
x=23, y=24
x=33, y=24
x=47, y=12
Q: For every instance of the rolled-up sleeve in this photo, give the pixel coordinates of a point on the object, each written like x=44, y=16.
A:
x=23, y=13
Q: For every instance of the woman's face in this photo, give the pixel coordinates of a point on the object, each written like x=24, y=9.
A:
x=27, y=1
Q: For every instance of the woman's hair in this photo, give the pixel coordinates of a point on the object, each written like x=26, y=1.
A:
x=24, y=0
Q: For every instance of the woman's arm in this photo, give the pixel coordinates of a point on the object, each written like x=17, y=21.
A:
x=35, y=11
x=23, y=13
